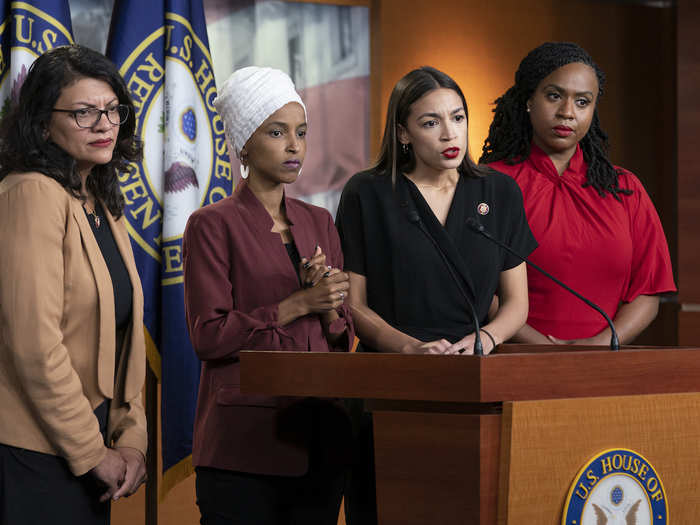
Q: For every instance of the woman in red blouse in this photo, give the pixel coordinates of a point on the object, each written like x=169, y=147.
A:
x=263, y=271
x=595, y=224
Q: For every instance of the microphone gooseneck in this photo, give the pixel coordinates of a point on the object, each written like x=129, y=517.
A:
x=479, y=228
x=413, y=217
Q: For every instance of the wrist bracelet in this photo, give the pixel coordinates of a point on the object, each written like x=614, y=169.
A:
x=493, y=341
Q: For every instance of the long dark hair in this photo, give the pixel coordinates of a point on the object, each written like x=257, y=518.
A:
x=392, y=159
x=24, y=143
x=510, y=134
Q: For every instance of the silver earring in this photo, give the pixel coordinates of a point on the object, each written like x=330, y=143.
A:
x=528, y=109
x=299, y=172
x=245, y=170
x=404, y=148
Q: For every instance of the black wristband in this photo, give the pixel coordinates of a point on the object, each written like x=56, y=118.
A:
x=493, y=341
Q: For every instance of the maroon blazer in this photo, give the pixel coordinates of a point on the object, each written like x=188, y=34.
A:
x=236, y=273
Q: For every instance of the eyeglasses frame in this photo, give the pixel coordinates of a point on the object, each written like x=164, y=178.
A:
x=104, y=112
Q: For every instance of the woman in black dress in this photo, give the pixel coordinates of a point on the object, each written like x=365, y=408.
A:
x=415, y=266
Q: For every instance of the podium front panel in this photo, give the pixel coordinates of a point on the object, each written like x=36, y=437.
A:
x=436, y=468
x=544, y=444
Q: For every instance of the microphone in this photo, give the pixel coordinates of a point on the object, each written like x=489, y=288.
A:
x=413, y=217
x=479, y=228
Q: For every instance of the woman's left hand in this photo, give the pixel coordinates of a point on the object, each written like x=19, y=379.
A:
x=135, y=471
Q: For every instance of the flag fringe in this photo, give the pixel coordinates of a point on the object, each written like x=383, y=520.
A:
x=180, y=471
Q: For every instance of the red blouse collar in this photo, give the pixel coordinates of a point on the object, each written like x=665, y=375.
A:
x=542, y=163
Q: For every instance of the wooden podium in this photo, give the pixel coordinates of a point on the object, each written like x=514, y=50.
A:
x=500, y=439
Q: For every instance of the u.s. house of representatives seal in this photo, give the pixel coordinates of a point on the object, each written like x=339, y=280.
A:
x=35, y=32
x=616, y=487
x=185, y=164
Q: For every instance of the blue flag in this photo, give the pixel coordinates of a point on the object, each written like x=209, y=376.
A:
x=28, y=29
x=162, y=51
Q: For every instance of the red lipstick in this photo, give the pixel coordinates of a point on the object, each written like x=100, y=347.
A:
x=450, y=153
x=563, y=131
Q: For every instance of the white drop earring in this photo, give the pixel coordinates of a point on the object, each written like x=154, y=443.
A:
x=245, y=170
x=299, y=172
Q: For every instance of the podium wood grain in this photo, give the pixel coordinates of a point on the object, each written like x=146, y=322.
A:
x=440, y=435
x=428, y=464
x=544, y=444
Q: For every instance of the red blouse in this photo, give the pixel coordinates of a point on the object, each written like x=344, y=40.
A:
x=609, y=251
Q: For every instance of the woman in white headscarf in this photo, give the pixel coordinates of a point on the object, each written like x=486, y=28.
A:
x=263, y=271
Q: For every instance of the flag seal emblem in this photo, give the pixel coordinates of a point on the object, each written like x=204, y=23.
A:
x=35, y=31
x=185, y=166
x=616, y=486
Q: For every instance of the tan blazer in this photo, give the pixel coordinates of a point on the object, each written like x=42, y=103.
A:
x=57, y=328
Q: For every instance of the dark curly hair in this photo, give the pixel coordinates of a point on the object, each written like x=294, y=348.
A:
x=510, y=133
x=25, y=146
x=392, y=158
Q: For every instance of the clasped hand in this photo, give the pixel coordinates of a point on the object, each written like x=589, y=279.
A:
x=325, y=287
x=120, y=472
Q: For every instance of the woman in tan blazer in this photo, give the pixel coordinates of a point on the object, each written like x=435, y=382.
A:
x=72, y=359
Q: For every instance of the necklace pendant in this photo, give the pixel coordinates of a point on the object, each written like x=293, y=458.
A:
x=97, y=220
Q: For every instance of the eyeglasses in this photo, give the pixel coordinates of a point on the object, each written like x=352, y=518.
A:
x=89, y=117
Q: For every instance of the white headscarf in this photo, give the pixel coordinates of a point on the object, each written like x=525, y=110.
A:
x=248, y=97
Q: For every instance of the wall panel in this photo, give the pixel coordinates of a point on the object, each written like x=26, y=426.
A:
x=688, y=141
